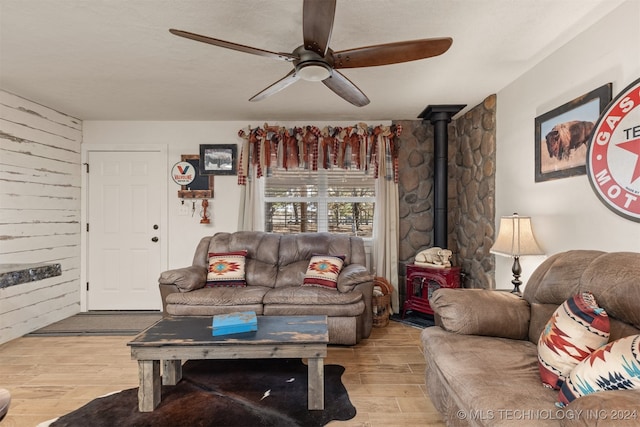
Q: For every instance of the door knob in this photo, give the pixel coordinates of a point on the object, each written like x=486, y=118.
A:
x=154, y=239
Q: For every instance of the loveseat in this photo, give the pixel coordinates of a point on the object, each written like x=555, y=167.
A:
x=482, y=355
x=275, y=267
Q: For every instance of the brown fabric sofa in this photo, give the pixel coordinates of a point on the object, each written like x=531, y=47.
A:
x=482, y=367
x=275, y=268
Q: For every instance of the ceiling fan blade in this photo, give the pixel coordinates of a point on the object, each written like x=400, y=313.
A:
x=344, y=88
x=391, y=53
x=234, y=46
x=317, y=24
x=287, y=80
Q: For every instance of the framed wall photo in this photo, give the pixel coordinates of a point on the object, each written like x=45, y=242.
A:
x=218, y=159
x=562, y=135
x=201, y=187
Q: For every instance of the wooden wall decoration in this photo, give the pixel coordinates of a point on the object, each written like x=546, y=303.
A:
x=40, y=212
x=201, y=187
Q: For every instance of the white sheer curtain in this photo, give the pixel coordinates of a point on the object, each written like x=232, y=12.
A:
x=386, y=219
x=251, y=213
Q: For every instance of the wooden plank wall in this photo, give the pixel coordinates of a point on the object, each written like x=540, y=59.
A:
x=40, y=166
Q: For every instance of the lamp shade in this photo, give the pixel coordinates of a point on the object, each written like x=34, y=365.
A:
x=515, y=237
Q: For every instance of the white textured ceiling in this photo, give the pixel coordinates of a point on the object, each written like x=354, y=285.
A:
x=116, y=60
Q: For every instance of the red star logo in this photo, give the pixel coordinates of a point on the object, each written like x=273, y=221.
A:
x=634, y=147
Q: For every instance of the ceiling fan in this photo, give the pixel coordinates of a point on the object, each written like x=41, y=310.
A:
x=315, y=61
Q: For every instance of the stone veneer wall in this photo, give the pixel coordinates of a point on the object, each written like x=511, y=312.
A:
x=471, y=193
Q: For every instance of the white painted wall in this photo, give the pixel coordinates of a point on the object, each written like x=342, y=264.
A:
x=181, y=138
x=566, y=213
x=39, y=212
x=185, y=138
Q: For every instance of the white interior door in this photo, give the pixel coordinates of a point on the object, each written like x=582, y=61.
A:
x=123, y=238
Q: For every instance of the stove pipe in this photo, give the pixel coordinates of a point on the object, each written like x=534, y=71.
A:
x=440, y=116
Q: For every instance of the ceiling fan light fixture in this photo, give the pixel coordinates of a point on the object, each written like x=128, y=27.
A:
x=315, y=61
x=313, y=71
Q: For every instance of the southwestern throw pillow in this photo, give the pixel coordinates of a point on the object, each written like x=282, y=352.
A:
x=226, y=269
x=323, y=271
x=575, y=330
x=614, y=366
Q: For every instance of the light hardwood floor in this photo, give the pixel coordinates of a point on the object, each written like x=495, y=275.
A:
x=50, y=376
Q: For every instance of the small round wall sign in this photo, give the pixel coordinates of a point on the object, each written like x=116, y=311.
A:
x=613, y=159
x=183, y=173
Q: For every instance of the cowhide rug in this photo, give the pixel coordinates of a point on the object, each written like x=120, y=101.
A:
x=261, y=392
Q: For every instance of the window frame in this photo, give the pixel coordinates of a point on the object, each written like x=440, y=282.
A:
x=322, y=197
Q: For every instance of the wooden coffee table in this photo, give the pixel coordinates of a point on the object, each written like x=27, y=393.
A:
x=174, y=339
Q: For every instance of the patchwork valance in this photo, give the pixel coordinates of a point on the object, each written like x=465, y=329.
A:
x=370, y=149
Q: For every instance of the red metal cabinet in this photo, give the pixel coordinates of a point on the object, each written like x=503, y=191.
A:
x=423, y=281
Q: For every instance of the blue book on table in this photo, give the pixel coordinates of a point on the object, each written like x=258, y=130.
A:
x=234, y=323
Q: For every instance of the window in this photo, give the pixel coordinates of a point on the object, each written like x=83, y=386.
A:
x=335, y=200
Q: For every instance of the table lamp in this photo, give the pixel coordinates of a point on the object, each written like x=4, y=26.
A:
x=515, y=238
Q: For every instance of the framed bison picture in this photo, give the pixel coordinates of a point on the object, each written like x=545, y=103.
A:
x=563, y=134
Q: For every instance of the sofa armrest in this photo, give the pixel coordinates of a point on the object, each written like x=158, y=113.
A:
x=481, y=312
x=614, y=408
x=356, y=278
x=366, y=320
x=353, y=275
x=165, y=291
x=186, y=279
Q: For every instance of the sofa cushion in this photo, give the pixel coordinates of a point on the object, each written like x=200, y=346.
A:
x=575, y=330
x=226, y=269
x=220, y=296
x=211, y=310
x=296, y=250
x=606, y=275
x=330, y=310
x=310, y=295
x=261, y=266
x=323, y=270
x=489, y=378
x=294, y=247
x=614, y=366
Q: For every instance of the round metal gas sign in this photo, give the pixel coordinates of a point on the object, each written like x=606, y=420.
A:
x=613, y=159
x=183, y=173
